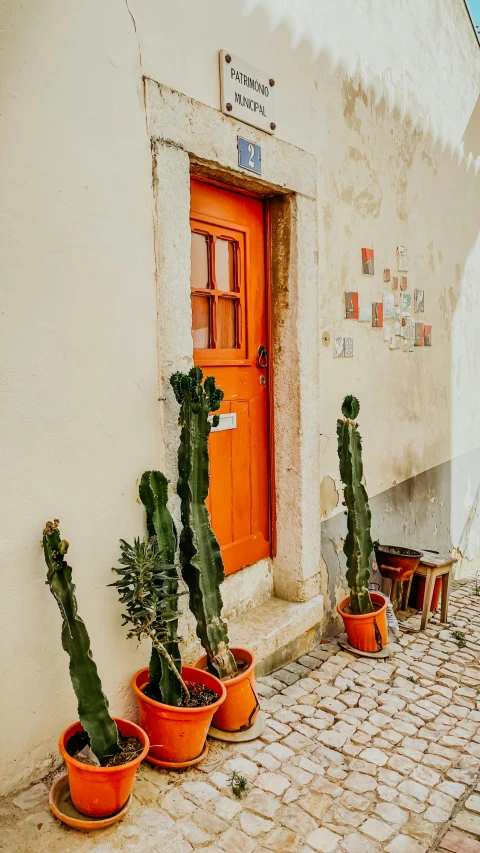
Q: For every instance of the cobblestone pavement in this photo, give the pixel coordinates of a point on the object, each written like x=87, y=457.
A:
x=358, y=755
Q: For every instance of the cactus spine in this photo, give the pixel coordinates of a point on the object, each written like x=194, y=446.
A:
x=153, y=493
x=358, y=543
x=92, y=702
x=200, y=555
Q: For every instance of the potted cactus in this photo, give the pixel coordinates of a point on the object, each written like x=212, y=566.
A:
x=363, y=613
x=176, y=704
x=200, y=555
x=102, y=753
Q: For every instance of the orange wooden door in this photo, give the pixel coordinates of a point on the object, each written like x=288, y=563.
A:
x=229, y=324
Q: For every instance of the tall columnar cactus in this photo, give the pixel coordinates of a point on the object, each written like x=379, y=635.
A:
x=92, y=702
x=358, y=543
x=153, y=493
x=200, y=555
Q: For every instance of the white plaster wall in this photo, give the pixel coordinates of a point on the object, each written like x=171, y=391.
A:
x=408, y=51
x=79, y=419
x=78, y=381
x=390, y=170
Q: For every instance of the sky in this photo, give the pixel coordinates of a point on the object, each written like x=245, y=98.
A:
x=475, y=10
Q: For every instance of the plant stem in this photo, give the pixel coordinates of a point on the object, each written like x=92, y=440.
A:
x=360, y=601
x=163, y=652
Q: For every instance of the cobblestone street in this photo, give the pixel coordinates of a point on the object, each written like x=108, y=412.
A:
x=358, y=755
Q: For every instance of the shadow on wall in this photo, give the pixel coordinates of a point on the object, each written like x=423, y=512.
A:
x=379, y=168
x=471, y=137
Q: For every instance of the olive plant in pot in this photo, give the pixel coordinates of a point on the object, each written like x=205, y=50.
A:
x=201, y=558
x=363, y=613
x=176, y=704
x=102, y=753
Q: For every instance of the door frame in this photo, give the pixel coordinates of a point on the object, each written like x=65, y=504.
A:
x=190, y=139
x=268, y=342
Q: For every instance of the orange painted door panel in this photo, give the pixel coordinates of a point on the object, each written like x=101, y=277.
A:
x=229, y=324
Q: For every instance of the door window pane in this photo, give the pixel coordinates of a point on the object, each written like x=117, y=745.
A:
x=199, y=259
x=226, y=332
x=225, y=264
x=201, y=322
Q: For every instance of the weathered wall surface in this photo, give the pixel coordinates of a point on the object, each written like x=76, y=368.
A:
x=384, y=184
x=79, y=382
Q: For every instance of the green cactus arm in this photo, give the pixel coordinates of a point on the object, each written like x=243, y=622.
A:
x=153, y=491
x=358, y=543
x=92, y=702
x=200, y=555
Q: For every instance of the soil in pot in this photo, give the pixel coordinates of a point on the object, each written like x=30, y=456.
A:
x=348, y=611
x=200, y=695
x=78, y=746
x=242, y=666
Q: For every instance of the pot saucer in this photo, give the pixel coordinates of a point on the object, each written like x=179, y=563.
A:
x=178, y=765
x=252, y=733
x=387, y=651
x=62, y=807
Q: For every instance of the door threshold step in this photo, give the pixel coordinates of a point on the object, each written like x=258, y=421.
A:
x=278, y=631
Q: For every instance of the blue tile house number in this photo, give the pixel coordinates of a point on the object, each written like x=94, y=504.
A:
x=249, y=155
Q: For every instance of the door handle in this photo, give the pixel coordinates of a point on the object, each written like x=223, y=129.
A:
x=262, y=357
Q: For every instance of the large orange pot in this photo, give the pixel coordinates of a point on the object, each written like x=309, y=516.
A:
x=101, y=791
x=361, y=631
x=238, y=712
x=177, y=735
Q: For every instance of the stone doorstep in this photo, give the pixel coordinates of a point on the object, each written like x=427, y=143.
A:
x=278, y=631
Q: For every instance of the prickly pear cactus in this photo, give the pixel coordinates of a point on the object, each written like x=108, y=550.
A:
x=153, y=493
x=92, y=702
x=200, y=555
x=358, y=543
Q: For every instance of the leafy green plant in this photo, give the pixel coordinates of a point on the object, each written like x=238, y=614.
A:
x=200, y=556
x=153, y=493
x=358, y=543
x=239, y=784
x=459, y=637
x=92, y=703
x=142, y=587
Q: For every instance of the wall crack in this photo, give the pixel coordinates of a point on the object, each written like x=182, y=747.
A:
x=136, y=34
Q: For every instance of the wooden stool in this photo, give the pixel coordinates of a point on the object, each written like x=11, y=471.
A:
x=431, y=568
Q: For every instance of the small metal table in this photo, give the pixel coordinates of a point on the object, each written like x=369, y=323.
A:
x=432, y=568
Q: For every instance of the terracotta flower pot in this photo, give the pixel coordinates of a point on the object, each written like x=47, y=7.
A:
x=360, y=629
x=397, y=563
x=101, y=791
x=417, y=593
x=177, y=735
x=239, y=711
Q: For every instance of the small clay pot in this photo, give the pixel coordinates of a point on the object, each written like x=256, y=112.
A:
x=101, y=791
x=360, y=629
x=177, y=735
x=239, y=711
